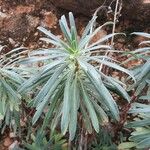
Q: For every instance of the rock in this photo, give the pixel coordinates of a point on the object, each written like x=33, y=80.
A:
x=140, y=14
x=33, y=22
x=20, y=9
x=3, y=15
x=12, y=41
x=49, y=20
x=14, y=27
x=85, y=7
x=19, y=21
x=12, y=135
x=17, y=27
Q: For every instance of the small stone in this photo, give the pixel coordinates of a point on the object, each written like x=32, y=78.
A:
x=33, y=22
x=36, y=34
x=49, y=20
x=12, y=135
x=3, y=15
x=12, y=41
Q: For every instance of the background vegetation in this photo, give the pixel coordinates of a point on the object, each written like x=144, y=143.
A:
x=65, y=95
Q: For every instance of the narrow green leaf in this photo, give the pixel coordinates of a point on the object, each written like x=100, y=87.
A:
x=95, y=79
x=66, y=103
x=90, y=108
x=74, y=109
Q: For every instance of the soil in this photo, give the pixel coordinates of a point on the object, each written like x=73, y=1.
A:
x=19, y=20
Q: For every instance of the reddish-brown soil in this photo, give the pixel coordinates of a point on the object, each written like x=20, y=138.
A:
x=19, y=20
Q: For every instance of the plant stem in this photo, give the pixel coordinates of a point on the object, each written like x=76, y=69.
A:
x=114, y=22
x=85, y=141
x=113, y=30
x=81, y=139
x=69, y=145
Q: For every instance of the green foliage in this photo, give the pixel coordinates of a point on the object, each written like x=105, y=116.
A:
x=141, y=135
x=72, y=91
x=10, y=80
x=142, y=72
x=70, y=82
x=103, y=141
x=40, y=142
x=140, y=138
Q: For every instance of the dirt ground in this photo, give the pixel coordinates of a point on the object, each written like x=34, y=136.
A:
x=19, y=20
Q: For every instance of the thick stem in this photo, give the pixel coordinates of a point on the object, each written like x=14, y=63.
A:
x=81, y=140
x=85, y=141
x=69, y=145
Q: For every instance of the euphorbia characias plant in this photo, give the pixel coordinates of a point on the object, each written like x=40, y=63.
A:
x=70, y=82
x=10, y=80
x=140, y=137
